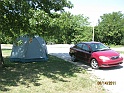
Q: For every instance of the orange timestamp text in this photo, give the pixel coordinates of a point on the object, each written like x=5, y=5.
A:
x=106, y=82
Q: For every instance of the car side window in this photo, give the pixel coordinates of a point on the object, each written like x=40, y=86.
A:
x=85, y=47
x=79, y=46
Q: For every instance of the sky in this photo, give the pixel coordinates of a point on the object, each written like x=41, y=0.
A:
x=96, y=8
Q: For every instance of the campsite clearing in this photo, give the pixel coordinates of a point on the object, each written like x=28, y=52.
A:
x=53, y=76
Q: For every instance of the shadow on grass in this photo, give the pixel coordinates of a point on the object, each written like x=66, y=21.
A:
x=67, y=57
x=14, y=74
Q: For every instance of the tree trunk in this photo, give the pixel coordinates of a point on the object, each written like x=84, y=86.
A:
x=1, y=57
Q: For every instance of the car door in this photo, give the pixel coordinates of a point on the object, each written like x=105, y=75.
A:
x=78, y=51
x=86, y=52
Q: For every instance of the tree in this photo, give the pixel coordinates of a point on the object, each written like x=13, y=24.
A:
x=69, y=28
x=81, y=29
x=18, y=17
x=110, y=28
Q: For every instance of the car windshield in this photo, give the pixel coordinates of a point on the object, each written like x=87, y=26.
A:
x=98, y=47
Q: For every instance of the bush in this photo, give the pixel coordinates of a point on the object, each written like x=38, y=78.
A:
x=122, y=41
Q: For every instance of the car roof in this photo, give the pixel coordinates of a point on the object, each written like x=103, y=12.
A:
x=92, y=42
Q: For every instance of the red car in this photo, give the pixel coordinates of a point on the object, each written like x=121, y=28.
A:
x=95, y=53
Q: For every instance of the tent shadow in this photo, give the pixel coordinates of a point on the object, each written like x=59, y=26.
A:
x=15, y=73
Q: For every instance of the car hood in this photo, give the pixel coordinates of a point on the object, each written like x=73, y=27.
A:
x=106, y=53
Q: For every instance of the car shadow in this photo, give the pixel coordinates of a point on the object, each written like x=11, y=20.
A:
x=111, y=68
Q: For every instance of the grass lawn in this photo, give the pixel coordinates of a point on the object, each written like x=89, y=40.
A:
x=53, y=76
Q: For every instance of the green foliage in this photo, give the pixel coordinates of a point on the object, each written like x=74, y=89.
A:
x=21, y=17
x=41, y=17
x=39, y=22
x=82, y=31
x=122, y=41
x=69, y=28
x=110, y=29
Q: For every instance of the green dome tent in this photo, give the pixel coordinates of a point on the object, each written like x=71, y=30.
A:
x=29, y=49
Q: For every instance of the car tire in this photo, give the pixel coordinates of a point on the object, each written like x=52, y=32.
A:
x=73, y=58
x=94, y=64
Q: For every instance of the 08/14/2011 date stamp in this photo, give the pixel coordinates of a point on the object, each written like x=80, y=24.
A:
x=106, y=82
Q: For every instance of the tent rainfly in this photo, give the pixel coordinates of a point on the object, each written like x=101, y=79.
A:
x=28, y=49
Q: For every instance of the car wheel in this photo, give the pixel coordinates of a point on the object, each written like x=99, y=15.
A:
x=73, y=58
x=94, y=64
